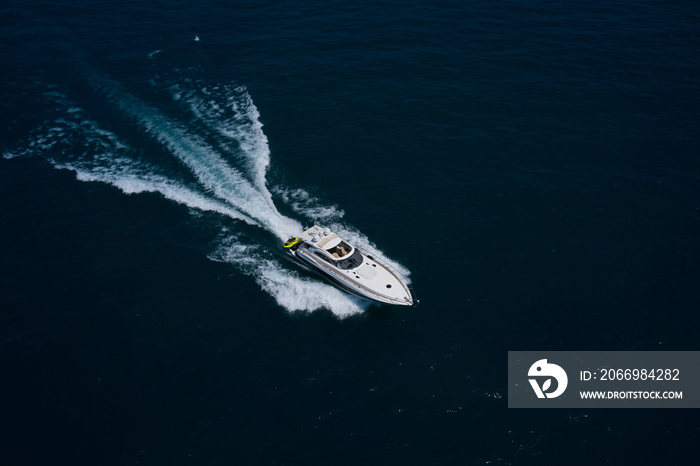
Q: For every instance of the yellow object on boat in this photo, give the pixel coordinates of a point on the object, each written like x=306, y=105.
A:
x=291, y=242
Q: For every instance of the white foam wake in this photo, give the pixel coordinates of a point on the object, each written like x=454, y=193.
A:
x=210, y=168
x=285, y=285
x=105, y=158
x=229, y=111
x=226, y=157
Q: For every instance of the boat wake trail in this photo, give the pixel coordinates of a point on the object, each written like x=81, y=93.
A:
x=205, y=149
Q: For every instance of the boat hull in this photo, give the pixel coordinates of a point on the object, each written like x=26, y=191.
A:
x=402, y=295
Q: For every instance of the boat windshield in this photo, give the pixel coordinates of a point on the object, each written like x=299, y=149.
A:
x=352, y=262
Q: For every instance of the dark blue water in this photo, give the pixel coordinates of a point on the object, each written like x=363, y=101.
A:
x=532, y=166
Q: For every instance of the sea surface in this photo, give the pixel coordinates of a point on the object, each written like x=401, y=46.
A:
x=533, y=168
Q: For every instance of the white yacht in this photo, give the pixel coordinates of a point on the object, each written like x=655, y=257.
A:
x=325, y=252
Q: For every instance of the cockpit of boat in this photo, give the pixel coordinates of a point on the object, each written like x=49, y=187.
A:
x=338, y=253
x=341, y=250
x=351, y=260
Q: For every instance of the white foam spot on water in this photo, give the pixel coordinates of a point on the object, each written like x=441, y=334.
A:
x=305, y=204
